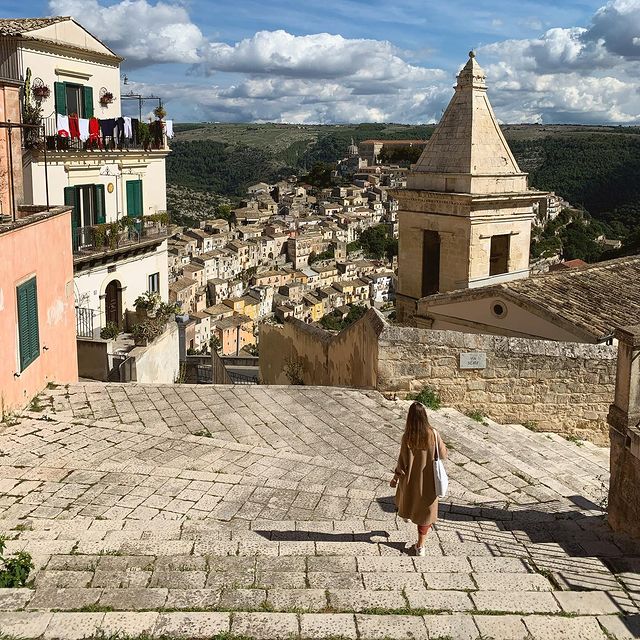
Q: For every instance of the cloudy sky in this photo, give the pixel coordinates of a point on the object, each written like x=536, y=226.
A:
x=328, y=61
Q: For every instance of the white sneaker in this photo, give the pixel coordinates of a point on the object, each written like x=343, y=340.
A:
x=419, y=551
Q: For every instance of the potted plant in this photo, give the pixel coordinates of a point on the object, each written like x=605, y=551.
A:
x=148, y=302
x=142, y=333
x=40, y=92
x=100, y=236
x=106, y=98
x=110, y=331
x=160, y=112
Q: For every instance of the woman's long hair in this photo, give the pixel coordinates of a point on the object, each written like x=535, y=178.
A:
x=418, y=432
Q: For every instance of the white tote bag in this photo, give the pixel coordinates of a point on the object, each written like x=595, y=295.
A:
x=441, y=480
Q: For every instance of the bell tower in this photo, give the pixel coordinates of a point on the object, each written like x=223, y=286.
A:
x=465, y=216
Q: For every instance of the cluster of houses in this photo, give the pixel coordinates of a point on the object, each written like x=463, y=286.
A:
x=285, y=254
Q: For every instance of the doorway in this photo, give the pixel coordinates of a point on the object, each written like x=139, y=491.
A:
x=430, y=263
x=113, y=303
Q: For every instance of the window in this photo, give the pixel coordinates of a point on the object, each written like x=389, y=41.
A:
x=499, y=259
x=73, y=98
x=28, y=331
x=430, y=263
x=88, y=202
x=154, y=283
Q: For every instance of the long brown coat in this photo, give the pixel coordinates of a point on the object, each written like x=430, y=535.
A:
x=416, y=497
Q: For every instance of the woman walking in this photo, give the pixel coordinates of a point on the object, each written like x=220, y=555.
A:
x=416, y=497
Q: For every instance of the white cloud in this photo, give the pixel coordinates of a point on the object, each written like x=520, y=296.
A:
x=139, y=31
x=579, y=74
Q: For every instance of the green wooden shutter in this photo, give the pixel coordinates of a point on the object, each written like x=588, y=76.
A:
x=60, y=93
x=71, y=199
x=28, y=332
x=134, y=198
x=100, y=203
x=87, y=111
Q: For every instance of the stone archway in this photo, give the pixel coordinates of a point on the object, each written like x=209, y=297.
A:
x=113, y=303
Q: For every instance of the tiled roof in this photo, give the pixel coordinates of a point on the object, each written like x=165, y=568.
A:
x=18, y=26
x=596, y=298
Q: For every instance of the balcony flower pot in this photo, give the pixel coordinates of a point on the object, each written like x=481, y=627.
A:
x=106, y=99
x=41, y=92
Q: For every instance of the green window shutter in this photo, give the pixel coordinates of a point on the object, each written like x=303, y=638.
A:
x=100, y=203
x=134, y=198
x=87, y=102
x=60, y=94
x=28, y=331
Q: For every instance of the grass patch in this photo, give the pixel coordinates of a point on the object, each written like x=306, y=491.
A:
x=15, y=569
x=478, y=416
x=575, y=439
x=52, y=385
x=532, y=425
x=35, y=404
x=204, y=433
x=429, y=397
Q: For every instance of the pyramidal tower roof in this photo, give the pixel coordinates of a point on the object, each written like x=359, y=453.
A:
x=468, y=143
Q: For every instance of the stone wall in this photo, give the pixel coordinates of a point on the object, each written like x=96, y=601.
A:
x=346, y=359
x=554, y=386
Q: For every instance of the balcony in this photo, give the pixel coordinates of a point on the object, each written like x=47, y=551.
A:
x=148, y=137
x=104, y=242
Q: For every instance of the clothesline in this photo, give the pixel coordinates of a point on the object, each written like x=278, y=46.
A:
x=94, y=129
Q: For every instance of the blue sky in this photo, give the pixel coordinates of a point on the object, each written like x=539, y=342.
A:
x=356, y=60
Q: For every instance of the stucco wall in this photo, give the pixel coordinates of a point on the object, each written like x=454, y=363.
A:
x=159, y=362
x=347, y=359
x=132, y=273
x=560, y=386
x=93, y=358
x=43, y=250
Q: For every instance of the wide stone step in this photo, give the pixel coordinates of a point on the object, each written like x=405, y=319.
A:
x=267, y=625
x=386, y=594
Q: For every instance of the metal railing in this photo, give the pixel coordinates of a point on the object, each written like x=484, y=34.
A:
x=240, y=378
x=147, y=142
x=112, y=236
x=84, y=322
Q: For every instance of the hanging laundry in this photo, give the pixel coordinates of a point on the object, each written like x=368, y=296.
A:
x=119, y=131
x=169, y=128
x=128, y=132
x=94, y=132
x=62, y=124
x=74, y=128
x=135, y=124
x=83, y=125
x=108, y=128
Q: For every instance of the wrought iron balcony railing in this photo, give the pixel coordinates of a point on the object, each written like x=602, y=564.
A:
x=147, y=137
x=115, y=236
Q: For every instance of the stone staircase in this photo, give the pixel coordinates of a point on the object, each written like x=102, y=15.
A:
x=272, y=579
x=139, y=526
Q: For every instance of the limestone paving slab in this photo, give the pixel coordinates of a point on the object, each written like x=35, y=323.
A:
x=506, y=627
x=191, y=624
x=393, y=627
x=558, y=628
x=317, y=626
x=265, y=626
x=458, y=626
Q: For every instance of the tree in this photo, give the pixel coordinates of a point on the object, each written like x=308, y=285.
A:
x=215, y=344
x=377, y=242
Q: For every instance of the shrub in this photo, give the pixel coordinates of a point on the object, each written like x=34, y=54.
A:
x=14, y=571
x=428, y=397
x=110, y=331
x=476, y=415
x=293, y=369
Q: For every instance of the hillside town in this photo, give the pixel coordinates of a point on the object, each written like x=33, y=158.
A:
x=289, y=250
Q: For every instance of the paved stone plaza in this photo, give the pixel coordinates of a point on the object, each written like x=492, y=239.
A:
x=266, y=511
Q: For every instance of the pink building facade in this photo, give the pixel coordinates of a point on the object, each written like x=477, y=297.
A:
x=37, y=314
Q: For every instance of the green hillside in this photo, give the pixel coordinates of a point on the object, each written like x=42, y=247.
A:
x=594, y=167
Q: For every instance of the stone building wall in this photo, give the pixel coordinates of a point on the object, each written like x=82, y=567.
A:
x=554, y=386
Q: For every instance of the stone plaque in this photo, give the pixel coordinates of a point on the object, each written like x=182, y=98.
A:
x=477, y=360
